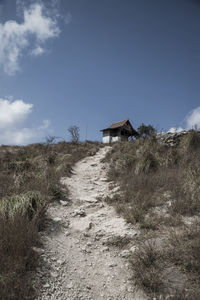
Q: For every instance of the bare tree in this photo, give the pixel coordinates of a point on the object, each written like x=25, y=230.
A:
x=51, y=140
x=74, y=132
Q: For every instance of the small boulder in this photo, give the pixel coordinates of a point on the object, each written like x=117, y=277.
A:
x=79, y=212
x=57, y=219
x=125, y=253
x=63, y=203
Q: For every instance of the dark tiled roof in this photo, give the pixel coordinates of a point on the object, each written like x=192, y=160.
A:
x=121, y=124
x=118, y=124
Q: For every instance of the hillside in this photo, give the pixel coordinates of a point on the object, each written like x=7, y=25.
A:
x=30, y=180
x=89, y=221
x=159, y=182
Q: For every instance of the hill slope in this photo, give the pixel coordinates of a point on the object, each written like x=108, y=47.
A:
x=159, y=181
x=29, y=181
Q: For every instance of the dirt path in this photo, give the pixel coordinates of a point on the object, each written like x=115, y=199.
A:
x=79, y=264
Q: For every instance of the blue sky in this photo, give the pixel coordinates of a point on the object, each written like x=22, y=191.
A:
x=94, y=62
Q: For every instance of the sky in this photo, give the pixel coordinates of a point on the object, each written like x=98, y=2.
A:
x=91, y=63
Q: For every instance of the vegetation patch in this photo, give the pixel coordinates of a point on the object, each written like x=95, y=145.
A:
x=147, y=262
x=30, y=179
x=160, y=192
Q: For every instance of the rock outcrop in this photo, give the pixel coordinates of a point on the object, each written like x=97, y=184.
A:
x=170, y=139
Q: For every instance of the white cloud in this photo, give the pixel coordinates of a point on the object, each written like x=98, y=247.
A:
x=13, y=114
x=22, y=136
x=37, y=51
x=36, y=28
x=172, y=130
x=37, y=23
x=45, y=125
x=175, y=129
x=52, y=6
x=16, y=136
x=192, y=121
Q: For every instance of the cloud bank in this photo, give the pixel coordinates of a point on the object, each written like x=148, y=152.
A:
x=29, y=36
x=13, y=115
x=192, y=121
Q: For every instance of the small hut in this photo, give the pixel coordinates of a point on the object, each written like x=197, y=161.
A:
x=120, y=131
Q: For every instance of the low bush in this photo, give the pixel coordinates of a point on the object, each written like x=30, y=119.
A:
x=147, y=262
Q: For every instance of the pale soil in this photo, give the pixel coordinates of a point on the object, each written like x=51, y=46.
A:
x=79, y=265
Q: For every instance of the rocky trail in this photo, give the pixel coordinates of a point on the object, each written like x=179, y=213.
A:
x=76, y=262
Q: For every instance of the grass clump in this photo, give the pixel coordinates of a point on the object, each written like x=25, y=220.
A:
x=185, y=248
x=17, y=259
x=147, y=265
x=25, y=204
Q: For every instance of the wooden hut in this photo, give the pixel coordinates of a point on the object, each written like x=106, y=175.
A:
x=120, y=131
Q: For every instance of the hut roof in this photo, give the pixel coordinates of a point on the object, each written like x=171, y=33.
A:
x=121, y=124
x=118, y=124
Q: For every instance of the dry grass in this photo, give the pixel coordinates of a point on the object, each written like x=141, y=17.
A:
x=160, y=188
x=17, y=258
x=30, y=180
x=147, y=263
x=187, y=243
x=118, y=241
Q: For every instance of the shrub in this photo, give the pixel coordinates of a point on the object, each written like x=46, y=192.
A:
x=51, y=158
x=146, y=130
x=190, y=141
x=147, y=267
x=56, y=191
